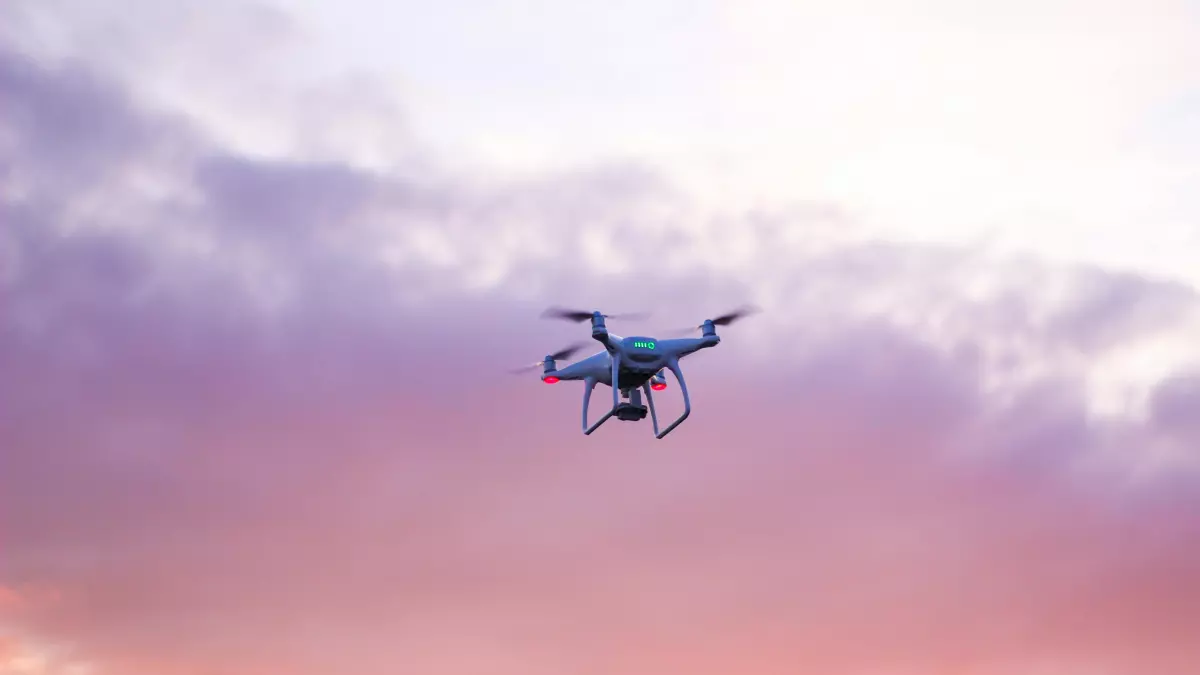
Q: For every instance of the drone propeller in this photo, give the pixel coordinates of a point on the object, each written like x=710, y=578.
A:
x=724, y=319
x=579, y=316
x=561, y=354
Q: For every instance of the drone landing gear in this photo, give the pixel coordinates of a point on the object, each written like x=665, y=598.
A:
x=588, y=385
x=687, y=401
x=626, y=411
x=633, y=410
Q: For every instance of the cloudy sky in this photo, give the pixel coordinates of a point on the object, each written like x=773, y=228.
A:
x=263, y=268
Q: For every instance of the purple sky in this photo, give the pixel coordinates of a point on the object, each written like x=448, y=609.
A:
x=248, y=427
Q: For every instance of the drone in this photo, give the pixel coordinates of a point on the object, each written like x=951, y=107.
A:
x=631, y=366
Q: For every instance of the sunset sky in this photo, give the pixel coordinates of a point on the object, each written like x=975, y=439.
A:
x=264, y=269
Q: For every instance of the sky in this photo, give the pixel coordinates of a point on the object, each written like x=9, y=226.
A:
x=264, y=269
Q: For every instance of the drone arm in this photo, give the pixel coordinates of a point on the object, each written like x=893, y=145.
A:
x=588, y=385
x=687, y=402
x=680, y=347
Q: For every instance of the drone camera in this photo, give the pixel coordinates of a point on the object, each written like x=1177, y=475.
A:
x=631, y=410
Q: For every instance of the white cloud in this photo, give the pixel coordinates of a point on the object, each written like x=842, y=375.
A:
x=1045, y=127
x=1033, y=124
x=939, y=119
x=1005, y=127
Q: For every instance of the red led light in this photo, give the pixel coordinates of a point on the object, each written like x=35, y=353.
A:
x=550, y=380
x=658, y=386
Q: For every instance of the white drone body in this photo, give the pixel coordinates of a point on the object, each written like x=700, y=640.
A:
x=632, y=367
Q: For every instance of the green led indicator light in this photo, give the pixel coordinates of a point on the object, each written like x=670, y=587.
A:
x=644, y=345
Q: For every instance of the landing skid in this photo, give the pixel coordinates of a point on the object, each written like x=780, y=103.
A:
x=632, y=411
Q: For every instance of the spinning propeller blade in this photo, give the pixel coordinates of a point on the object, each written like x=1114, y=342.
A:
x=561, y=354
x=724, y=319
x=579, y=316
